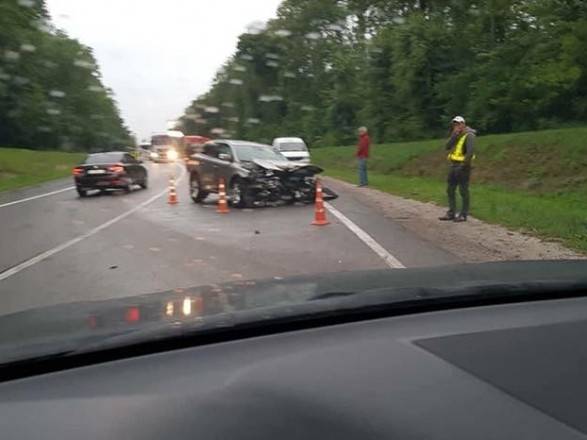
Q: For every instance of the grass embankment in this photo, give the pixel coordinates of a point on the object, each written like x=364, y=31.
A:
x=534, y=181
x=19, y=168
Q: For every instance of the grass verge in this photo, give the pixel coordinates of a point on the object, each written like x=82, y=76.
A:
x=542, y=193
x=20, y=168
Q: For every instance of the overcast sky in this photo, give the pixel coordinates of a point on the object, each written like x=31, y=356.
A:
x=158, y=55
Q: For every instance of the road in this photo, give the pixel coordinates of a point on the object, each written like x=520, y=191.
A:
x=59, y=248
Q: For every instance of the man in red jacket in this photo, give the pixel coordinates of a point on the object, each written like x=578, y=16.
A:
x=363, y=155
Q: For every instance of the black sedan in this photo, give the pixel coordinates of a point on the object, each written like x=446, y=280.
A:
x=113, y=170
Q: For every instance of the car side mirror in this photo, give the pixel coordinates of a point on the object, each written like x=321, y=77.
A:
x=224, y=156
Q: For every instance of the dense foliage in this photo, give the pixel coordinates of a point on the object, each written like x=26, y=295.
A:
x=51, y=94
x=401, y=67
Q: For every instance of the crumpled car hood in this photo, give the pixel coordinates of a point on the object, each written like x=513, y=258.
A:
x=275, y=165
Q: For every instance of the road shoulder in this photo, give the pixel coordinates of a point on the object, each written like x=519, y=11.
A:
x=474, y=241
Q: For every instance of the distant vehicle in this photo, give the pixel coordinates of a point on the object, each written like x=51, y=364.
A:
x=194, y=144
x=113, y=170
x=293, y=148
x=163, y=144
x=254, y=173
x=144, y=151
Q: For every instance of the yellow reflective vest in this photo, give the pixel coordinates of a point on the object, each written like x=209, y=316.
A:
x=457, y=154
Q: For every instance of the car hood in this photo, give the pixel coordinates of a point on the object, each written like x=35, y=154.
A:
x=87, y=326
x=279, y=165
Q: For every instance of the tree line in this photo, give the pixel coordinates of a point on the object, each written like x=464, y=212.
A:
x=51, y=92
x=403, y=68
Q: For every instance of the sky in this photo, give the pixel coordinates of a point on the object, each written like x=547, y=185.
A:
x=158, y=55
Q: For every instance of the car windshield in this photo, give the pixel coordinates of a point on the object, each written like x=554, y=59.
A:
x=103, y=158
x=248, y=153
x=440, y=135
x=292, y=146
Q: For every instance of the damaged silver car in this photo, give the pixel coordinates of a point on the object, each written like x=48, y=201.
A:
x=254, y=175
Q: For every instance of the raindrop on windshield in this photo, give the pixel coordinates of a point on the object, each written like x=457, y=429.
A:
x=4, y=76
x=272, y=63
x=282, y=33
x=218, y=131
x=233, y=119
x=246, y=57
x=200, y=121
x=44, y=129
x=21, y=81
x=26, y=3
x=256, y=27
x=334, y=28
x=25, y=47
x=313, y=36
x=272, y=56
x=83, y=63
x=239, y=68
x=227, y=104
x=57, y=94
x=10, y=55
x=253, y=121
x=307, y=108
x=236, y=82
x=53, y=111
x=270, y=98
x=398, y=20
x=289, y=75
x=211, y=109
x=95, y=89
x=42, y=25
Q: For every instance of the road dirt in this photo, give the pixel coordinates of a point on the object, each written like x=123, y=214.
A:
x=473, y=241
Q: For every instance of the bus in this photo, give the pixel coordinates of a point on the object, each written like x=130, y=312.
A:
x=167, y=147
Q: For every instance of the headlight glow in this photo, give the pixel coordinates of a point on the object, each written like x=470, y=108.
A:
x=172, y=155
x=154, y=155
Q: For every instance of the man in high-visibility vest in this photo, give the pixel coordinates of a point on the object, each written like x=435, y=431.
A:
x=461, y=153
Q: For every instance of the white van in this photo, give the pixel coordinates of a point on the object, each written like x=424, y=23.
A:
x=292, y=148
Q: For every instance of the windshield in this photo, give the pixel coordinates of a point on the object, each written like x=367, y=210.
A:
x=247, y=153
x=441, y=135
x=103, y=158
x=292, y=146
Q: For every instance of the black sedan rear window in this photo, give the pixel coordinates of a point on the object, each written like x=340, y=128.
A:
x=103, y=158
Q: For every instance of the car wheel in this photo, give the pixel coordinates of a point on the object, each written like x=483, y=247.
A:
x=82, y=192
x=240, y=196
x=144, y=183
x=196, y=192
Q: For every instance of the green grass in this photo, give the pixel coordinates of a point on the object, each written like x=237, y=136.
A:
x=535, y=182
x=20, y=168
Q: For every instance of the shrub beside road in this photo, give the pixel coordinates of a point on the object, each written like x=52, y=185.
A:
x=535, y=182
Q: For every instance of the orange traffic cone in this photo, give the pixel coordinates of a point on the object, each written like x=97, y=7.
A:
x=319, y=211
x=222, y=204
x=172, y=199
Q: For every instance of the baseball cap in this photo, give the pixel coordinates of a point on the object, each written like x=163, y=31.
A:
x=458, y=119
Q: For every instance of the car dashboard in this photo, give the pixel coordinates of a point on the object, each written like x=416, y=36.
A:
x=503, y=371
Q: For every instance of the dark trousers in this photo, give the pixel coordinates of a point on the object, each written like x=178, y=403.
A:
x=458, y=175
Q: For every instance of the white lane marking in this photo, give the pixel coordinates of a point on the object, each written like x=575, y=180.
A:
x=389, y=259
x=44, y=255
x=16, y=202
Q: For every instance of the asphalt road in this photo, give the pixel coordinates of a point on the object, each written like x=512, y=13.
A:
x=59, y=248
